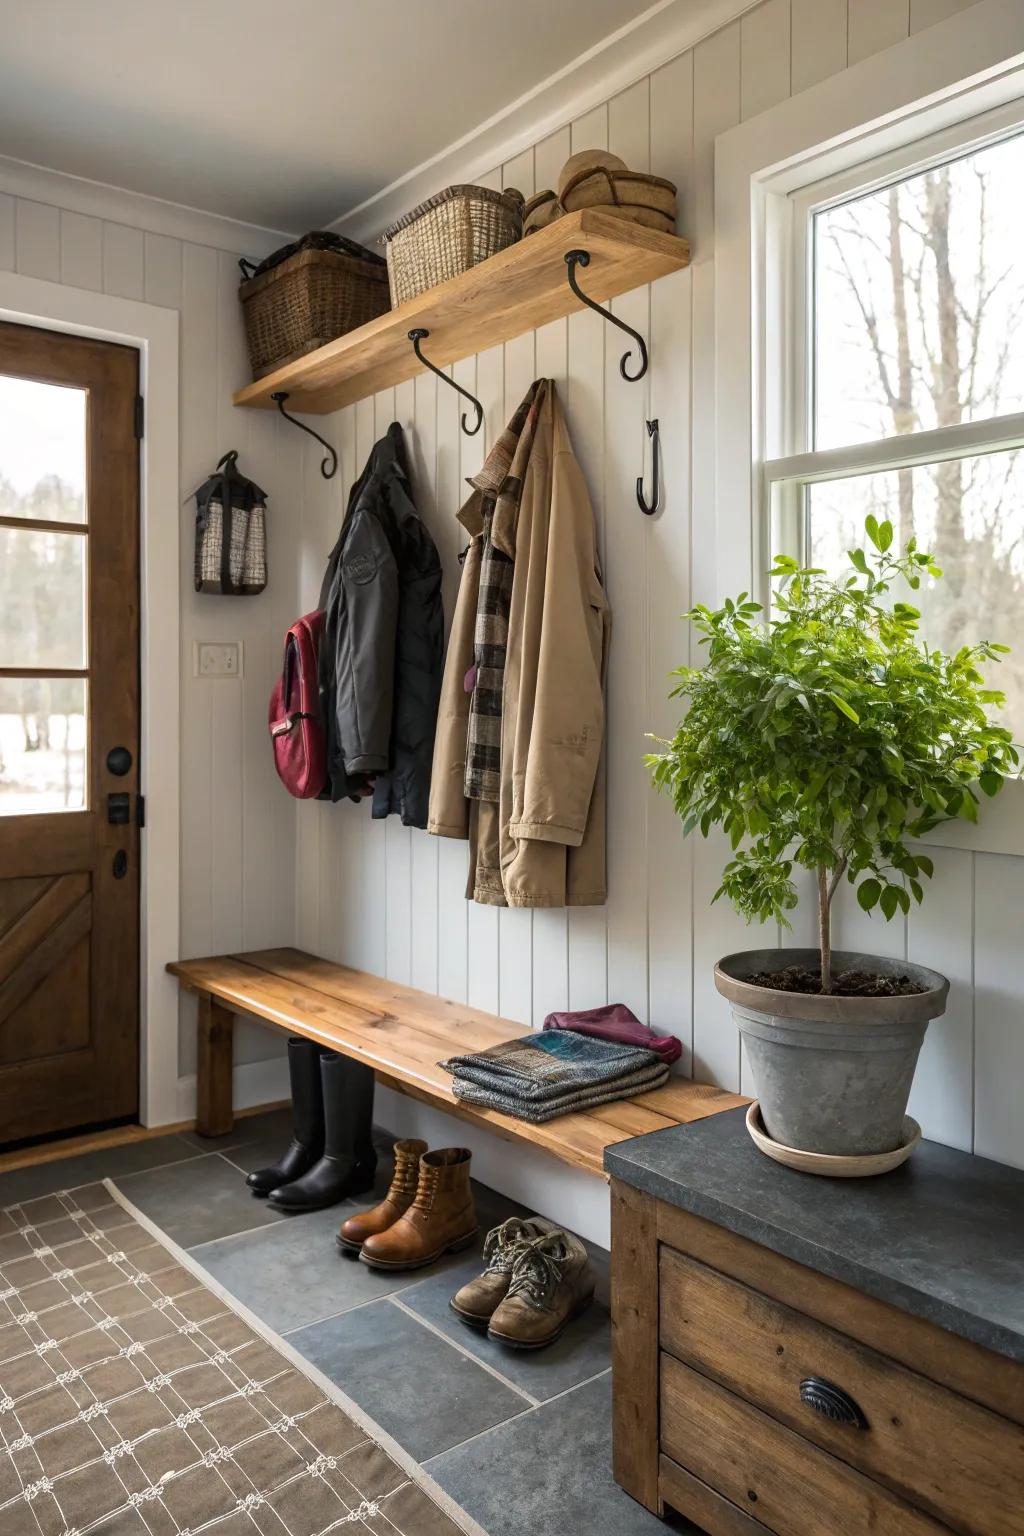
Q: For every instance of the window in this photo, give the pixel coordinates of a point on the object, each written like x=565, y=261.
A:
x=905, y=393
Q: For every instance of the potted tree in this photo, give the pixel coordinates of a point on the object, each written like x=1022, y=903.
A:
x=830, y=739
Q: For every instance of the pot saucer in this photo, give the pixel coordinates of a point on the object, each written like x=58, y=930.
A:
x=831, y=1164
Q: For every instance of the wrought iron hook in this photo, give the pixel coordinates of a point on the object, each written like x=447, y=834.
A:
x=416, y=336
x=649, y=511
x=329, y=464
x=576, y=258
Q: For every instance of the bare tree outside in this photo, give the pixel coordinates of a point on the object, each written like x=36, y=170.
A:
x=919, y=303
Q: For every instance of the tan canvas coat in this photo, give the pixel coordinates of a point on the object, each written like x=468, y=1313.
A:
x=543, y=843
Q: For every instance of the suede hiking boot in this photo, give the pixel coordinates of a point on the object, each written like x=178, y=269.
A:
x=552, y=1282
x=441, y=1219
x=400, y=1195
x=476, y=1300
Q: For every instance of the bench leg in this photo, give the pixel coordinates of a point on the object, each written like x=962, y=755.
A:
x=214, y=1103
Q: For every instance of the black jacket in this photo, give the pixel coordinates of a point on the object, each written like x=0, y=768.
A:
x=382, y=650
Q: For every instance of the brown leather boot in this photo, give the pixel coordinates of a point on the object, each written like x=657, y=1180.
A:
x=396, y=1202
x=477, y=1299
x=441, y=1219
x=552, y=1282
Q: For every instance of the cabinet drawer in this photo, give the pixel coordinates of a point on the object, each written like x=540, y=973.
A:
x=785, y=1483
x=962, y=1463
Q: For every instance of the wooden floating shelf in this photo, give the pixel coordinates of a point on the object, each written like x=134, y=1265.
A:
x=511, y=293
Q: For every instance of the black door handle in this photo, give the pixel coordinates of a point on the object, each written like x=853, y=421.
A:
x=119, y=761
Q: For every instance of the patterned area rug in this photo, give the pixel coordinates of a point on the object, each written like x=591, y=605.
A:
x=138, y=1399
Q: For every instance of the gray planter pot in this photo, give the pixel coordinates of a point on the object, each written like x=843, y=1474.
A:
x=831, y=1074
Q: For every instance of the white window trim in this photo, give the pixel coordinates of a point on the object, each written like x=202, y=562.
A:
x=154, y=331
x=968, y=66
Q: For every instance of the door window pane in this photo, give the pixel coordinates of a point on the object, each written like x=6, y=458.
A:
x=919, y=301
x=970, y=514
x=42, y=451
x=42, y=745
x=42, y=598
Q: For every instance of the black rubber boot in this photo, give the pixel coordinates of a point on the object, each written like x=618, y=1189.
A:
x=307, y=1144
x=349, y=1161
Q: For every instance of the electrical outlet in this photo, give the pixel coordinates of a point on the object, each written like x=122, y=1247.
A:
x=218, y=658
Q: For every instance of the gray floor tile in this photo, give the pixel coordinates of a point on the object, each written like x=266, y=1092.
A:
x=417, y=1387
x=551, y=1470
x=196, y=1201
x=272, y=1128
x=88, y=1167
x=583, y=1350
x=292, y=1274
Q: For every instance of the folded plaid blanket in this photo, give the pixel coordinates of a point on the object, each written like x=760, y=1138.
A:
x=548, y=1065
x=538, y=1113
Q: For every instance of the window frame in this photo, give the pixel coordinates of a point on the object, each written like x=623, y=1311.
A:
x=952, y=74
x=795, y=463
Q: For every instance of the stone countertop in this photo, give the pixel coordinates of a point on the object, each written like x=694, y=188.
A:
x=942, y=1237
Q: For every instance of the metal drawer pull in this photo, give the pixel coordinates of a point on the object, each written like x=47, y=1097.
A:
x=831, y=1401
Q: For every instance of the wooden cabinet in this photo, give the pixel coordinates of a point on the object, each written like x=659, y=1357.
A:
x=756, y=1396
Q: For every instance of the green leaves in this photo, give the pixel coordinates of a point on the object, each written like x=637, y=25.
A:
x=827, y=734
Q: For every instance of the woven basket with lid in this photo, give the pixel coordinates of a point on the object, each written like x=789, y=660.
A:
x=307, y=294
x=449, y=233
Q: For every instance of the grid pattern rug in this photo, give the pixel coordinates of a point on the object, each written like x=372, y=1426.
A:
x=138, y=1399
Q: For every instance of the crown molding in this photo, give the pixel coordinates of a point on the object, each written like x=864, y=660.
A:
x=649, y=41
x=37, y=183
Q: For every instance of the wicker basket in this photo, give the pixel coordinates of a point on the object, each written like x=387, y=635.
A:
x=633, y=195
x=296, y=304
x=448, y=234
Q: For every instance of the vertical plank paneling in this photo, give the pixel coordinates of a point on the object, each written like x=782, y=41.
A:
x=819, y=41
x=764, y=57
x=37, y=240
x=627, y=535
x=162, y=261
x=940, y=934
x=669, y=855
x=7, y=211
x=585, y=400
x=123, y=270
x=874, y=25
x=998, y=1008
x=925, y=13
x=421, y=440
x=81, y=251
x=717, y=929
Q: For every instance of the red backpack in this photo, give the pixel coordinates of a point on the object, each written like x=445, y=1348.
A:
x=296, y=726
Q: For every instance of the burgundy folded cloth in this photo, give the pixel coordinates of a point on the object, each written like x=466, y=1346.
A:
x=617, y=1022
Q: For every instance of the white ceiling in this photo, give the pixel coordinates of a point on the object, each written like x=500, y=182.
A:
x=285, y=113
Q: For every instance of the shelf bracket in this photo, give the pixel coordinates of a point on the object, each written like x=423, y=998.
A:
x=329, y=464
x=649, y=510
x=416, y=336
x=579, y=258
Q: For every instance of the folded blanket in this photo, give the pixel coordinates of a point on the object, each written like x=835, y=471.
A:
x=618, y=1023
x=545, y=1066
x=644, y=1081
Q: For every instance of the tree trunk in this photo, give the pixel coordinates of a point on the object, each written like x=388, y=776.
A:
x=904, y=418
x=824, y=929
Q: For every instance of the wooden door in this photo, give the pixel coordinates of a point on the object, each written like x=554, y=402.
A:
x=69, y=732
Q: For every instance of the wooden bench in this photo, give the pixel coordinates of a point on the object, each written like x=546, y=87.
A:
x=402, y=1033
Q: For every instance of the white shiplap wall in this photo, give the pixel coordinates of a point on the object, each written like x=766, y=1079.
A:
x=389, y=899
x=238, y=824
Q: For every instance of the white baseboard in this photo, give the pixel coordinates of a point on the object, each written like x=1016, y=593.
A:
x=253, y=1083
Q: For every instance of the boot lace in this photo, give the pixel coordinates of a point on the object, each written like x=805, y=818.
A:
x=538, y=1269
x=503, y=1245
x=426, y=1188
x=405, y=1179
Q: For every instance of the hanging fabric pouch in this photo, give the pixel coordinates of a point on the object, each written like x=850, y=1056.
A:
x=231, y=533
